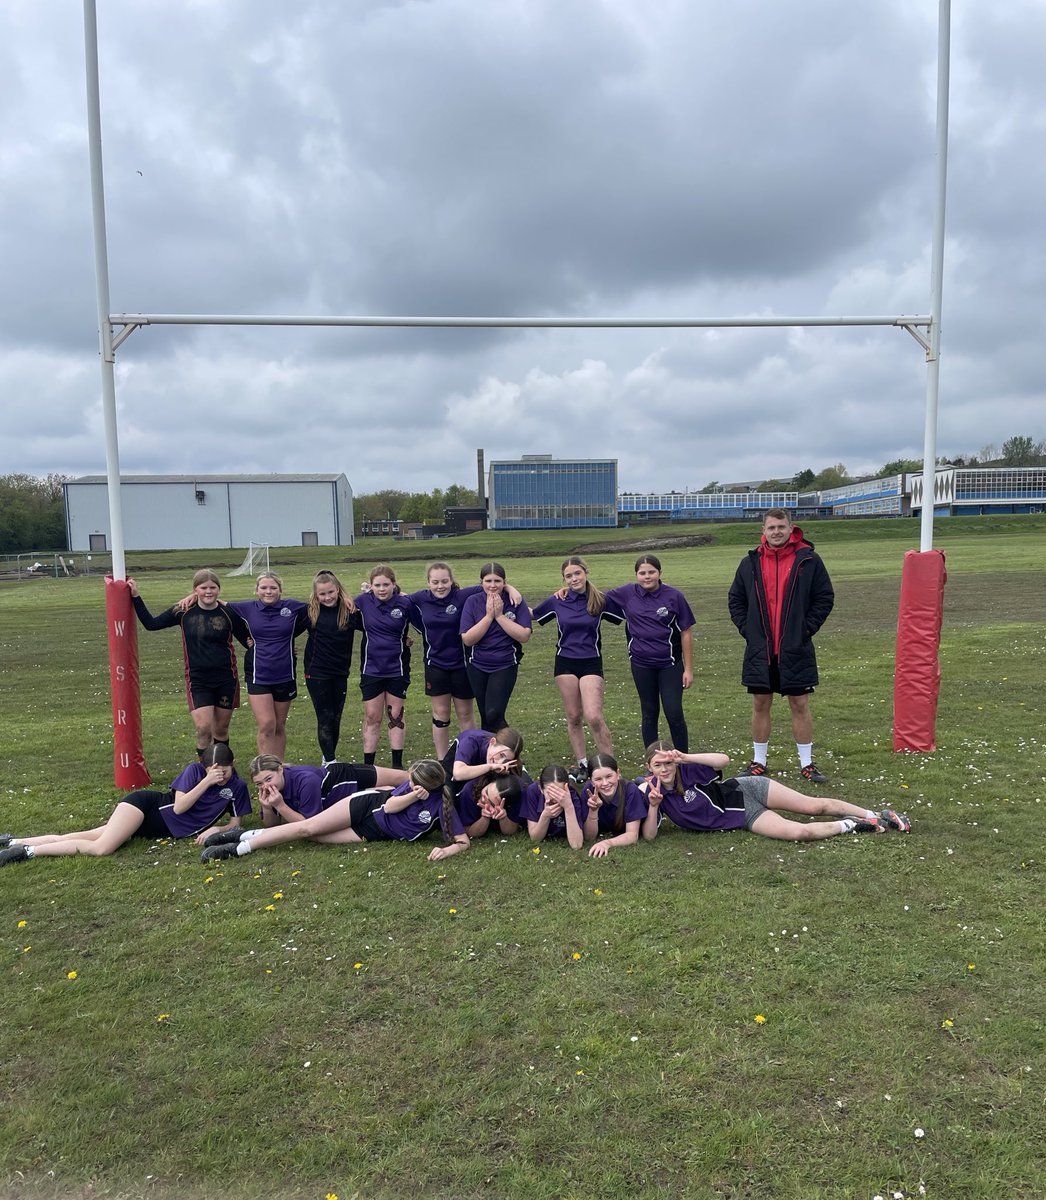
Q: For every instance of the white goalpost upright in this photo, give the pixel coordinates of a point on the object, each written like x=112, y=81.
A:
x=256, y=560
x=114, y=329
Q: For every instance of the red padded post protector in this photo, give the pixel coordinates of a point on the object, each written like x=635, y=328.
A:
x=129, y=766
x=917, y=667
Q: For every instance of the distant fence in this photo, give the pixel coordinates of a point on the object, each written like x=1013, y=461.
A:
x=50, y=564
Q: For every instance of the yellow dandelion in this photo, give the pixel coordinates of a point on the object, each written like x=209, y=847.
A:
x=270, y=908
x=268, y=970
x=579, y=1072
x=536, y=850
x=164, y=1017
x=576, y=955
x=209, y=879
x=70, y=974
x=597, y=891
x=277, y=895
x=971, y=966
x=22, y=924
x=293, y=873
x=760, y=1019
x=357, y=966
x=258, y=876
x=26, y=949
x=904, y=787
x=947, y=1023
x=331, y=1196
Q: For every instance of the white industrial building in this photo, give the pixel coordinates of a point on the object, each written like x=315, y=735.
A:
x=188, y=512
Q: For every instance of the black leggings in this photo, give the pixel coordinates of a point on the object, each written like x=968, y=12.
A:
x=328, y=699
x=493, y=691
x=662, y=687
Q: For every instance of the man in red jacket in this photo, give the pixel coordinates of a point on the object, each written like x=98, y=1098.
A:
x=780, y=597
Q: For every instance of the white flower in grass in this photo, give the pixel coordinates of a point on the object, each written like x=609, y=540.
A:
x=920, y=1133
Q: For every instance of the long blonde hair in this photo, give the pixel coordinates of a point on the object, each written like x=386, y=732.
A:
x=345, y=604
x=593, y=596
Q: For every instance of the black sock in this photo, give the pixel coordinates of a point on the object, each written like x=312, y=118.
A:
x=397, y=760
x=369, y=756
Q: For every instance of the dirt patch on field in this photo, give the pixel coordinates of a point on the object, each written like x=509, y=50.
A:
x=682, y=542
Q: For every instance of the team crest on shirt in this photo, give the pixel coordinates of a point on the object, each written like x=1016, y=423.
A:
x=452, y=609
x=662, y=611
x=226, y=793
x=510, y=614
x=425, y=817
x=397, y=613
x=691, y=794
x=285, y=612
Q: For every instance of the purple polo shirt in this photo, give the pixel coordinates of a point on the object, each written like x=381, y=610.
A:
x=654, y=623
x=440, y=623
x=232, y=796
x=273, y=628
x=467, y=805
x=495, y=651
x=418, y=819
x=303, y=790
x=534, y=805
x=385, y=624
x=636, y=806
x=579, y=635
x=704, y=804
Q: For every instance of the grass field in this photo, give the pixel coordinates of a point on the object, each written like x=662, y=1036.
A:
x=316, y=1021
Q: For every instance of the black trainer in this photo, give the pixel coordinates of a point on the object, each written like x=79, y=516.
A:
x=5, y=840
x=869, y=825
x=224, y=850
x=753, y=768
x=896, y=820
x=812, y=775
x=13, y=854
x=223, y=837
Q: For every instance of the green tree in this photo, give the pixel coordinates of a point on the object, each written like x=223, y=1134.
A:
x=32, y=513
x=802, y=480
x=899, y=466
x=1018, y=451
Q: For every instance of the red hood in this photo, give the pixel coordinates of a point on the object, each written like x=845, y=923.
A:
x=795, y=540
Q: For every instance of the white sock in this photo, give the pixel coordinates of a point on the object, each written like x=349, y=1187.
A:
x=243, y=846
x=848, y=825
x=248, y=834
x=759, y=752
x=806, y=753
x=30, y=851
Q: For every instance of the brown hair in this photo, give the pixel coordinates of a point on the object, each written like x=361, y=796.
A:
x=205, y=575
x=345, y=605
x=441, y=566
x=430, y=775
x=777, y=514
x=608, y=762
x=594, y=597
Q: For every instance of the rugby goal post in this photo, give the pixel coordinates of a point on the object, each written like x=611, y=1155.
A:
x=255, y=561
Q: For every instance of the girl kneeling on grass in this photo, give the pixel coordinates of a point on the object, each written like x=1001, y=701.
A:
x=690, y=790
x=404, y=813
x=616, y=807
x=551, y=808
x=195, y=800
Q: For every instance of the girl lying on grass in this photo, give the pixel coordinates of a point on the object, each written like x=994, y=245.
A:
x=616, y=807
x=404, y=813
x=491, y=802
x=195, y=800
x=287, y=794
x=551, y=808
x=475, y=753
x=690, y=790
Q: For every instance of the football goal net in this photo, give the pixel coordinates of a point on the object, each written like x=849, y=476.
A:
x=256, y=559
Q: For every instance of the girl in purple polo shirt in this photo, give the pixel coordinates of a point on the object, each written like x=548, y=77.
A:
x=493, y=634
x=690, y=790
x=491, y=802
x=579, y=610
x=269, y=664
x=288, y=794
x=551, y=808
x=616, y=807
x=189, y=808
x=385, y=615
x=658, y=626
x=404, y=813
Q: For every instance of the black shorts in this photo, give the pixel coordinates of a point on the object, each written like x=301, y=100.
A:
x=775, y=685
x=361, y=808
x=282, y=693
x=578, y=666
x=441, y=682
x=393, y=685
x=148, y=803
x=224, y=694
x=337, y=774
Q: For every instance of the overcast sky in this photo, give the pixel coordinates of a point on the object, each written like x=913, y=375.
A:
x=670, y=158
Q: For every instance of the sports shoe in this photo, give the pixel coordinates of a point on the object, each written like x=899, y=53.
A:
x=812, y=775
x=5, y=840
x=869, y=825
x=895, y=820
x=753, y=768
x=223, y=837
x=13, y=854
x=226, y=850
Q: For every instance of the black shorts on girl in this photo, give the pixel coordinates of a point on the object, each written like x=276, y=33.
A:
x=372, y=686
x=578, y=666
x=282, y=693
x=215, y=695
x=441, y=682
x=361, y=808
x=148, y=803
